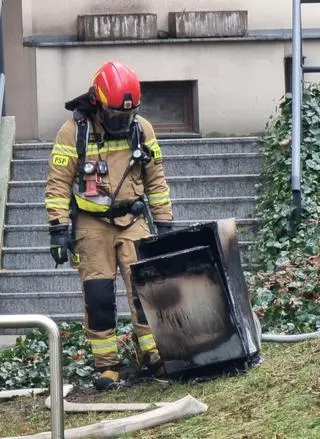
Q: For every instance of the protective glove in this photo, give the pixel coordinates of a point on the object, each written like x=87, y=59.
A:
x=164, y=227
x=60, y=241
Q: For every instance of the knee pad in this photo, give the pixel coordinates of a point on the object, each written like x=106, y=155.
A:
x=100, y=301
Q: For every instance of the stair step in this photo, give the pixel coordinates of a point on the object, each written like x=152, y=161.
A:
x=39, y=258
x=213, y=185
x=25, y=191
x=214, y=208
x=218, y=164
x=205, y=164
x=168, y=146
x=26, y=213
x=208, y=145
x=193, y=186
x=38, y=235
x=60, y=279
x=247, y=228
x=32, y=150
x=57, y=302
x=24, y=235
x=58, y=318
x=202, y=209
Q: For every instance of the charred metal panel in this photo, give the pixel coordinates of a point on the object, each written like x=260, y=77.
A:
x=101, y=27
x=183, y=297
x=192, y=289
x=202, y=24
x=232, y=270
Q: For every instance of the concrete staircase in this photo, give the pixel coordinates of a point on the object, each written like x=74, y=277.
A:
x=208, y=178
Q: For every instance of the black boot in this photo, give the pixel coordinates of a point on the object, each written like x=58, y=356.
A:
x=109, y=379
x=154, y=364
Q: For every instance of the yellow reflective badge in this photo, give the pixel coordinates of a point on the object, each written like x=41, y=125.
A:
x=60, y=160
x=157, y=153
x=75, y=258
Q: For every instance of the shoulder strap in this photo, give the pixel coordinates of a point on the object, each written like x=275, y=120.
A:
x=139, y=152
x=81, y=143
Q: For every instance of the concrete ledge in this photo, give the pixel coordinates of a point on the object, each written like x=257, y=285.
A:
x=252, y=36
x=7, y=137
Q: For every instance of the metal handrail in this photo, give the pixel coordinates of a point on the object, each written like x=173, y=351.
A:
x=56, y=388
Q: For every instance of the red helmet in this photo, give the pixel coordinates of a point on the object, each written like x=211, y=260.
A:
x=117, y=90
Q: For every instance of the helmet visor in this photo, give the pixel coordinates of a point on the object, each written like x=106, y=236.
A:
x=117, y=122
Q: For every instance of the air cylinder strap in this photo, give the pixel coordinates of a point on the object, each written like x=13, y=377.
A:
x=82, y=141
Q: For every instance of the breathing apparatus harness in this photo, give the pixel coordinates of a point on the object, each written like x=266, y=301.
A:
x=89, y=172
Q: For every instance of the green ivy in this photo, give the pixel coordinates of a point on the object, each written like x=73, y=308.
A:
x=286, y=248
x=26, y=364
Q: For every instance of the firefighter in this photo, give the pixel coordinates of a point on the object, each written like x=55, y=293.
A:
x=103, y=161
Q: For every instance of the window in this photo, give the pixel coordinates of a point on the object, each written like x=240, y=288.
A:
x=170, y=106
x=288, y=73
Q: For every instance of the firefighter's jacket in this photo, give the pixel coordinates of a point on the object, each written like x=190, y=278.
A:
x=143, y=178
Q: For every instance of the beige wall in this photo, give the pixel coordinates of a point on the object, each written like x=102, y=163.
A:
x=20, y=71
x=238, y=84
x=54, y=17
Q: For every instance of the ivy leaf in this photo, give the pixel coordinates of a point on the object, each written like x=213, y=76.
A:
x=313, y=165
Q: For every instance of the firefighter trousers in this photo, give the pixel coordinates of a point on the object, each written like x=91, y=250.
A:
x=103, y=248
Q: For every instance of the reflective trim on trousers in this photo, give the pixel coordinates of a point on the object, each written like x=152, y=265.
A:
x=104, y=345
x=147, y=343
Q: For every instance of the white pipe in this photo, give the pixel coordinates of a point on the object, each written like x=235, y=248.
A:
x=278, y=338
x=294, y=338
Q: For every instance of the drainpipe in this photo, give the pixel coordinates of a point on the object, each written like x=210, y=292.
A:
x=2, y=110
x=296, y=106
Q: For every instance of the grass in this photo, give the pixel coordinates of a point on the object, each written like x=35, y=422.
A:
x=279, y=400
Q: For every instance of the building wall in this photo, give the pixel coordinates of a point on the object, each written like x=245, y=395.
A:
x=55, y=17
x=239, y=82
x=20, y=71
x=232, y=98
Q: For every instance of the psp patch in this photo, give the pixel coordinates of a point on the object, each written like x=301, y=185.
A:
x=60, y=160
x=156, y=151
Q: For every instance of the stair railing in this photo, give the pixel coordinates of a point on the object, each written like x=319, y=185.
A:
x=298, y=69
x=56, y=381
